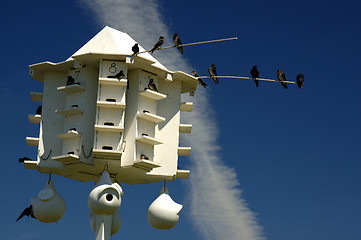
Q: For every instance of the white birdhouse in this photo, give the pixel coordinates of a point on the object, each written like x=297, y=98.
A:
x=98, y=109
x=163, y=213
x=48, y=206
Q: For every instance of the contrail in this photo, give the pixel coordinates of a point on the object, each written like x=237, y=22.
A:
x=218, y=210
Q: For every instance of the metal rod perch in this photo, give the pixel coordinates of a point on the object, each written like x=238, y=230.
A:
x=249, y=78
x=195, y=43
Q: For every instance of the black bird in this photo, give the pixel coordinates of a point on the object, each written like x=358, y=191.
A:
x=144, y=157
x=300, y=79
x=177, y=42
x=135, y=48
x=27, y=212
x=213, y=73
x=70, y=80
x=39, y=110
x=21, y=160
x=152, y=86
x=282, y=77
x=199, y=80
x=158, y=44
x=255, y=74
x=119, y=75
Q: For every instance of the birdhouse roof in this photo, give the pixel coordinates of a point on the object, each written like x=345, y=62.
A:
x=112, y=44
x=110, y=41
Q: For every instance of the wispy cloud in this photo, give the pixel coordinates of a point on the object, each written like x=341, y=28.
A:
x=218, y=210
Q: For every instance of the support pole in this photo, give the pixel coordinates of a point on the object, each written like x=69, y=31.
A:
x=103, y=227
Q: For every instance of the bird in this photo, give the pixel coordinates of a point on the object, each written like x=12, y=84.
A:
x=152, y=86
x=199, y=80
x=119, y=75
x=39, y=110
x=23, y=159
x=158, y=44
x=255, y=74
x=27, y=212
x=177, y=42
x=135, y=48
x=213, y=73
x=300, y=79
x=70, y=80
x=282, y=77
x=144, y=157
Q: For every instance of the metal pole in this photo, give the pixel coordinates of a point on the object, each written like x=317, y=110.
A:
x=249, y=78
x=195, y=43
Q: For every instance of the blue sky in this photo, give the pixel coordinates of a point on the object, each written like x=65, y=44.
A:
x=296, y=153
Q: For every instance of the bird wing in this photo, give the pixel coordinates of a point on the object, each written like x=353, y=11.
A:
x=25, y=212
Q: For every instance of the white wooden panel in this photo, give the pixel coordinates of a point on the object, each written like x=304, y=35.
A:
x=111, y=68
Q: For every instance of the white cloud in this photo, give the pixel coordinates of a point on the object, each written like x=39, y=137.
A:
x=218, y=210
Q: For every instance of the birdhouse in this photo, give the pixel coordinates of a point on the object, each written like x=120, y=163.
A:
x=106, y=106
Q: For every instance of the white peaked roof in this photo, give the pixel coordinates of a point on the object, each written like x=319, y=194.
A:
x=110, y=41
x=112, y=44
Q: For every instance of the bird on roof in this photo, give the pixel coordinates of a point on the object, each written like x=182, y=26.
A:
x=213, y=73
x=158, y=44
x=135, y=48
x=300, y=79
x=152, y=86
x=27, y=212
x=255, y=74
x=282, y=78
x=199, y=80
x=177, y=42
x=21, y=160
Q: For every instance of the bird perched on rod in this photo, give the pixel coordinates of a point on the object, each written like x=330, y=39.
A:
x=158, y=44
x=152, y=86
x=282, y=78
x=199, y=80
x=255, y=74
x=177, y=42
x=300, y=79
x=213, y=73
x=27, y=212
x=135, y=48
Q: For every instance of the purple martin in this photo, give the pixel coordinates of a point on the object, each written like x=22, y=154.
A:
x=255, y=74
x=135, y=48
x=158, y=44
x=300, y=79
x=282, y=78
x=21, y=160
x=39, y=110
x=70, y=80
x=199, y=80
x=152, y=86
x=27, y=212
x=119, y=75
x=177, y=42
x=213, y=73
x=144, y=157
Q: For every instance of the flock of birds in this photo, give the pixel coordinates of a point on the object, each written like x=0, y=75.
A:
x=212, y=69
